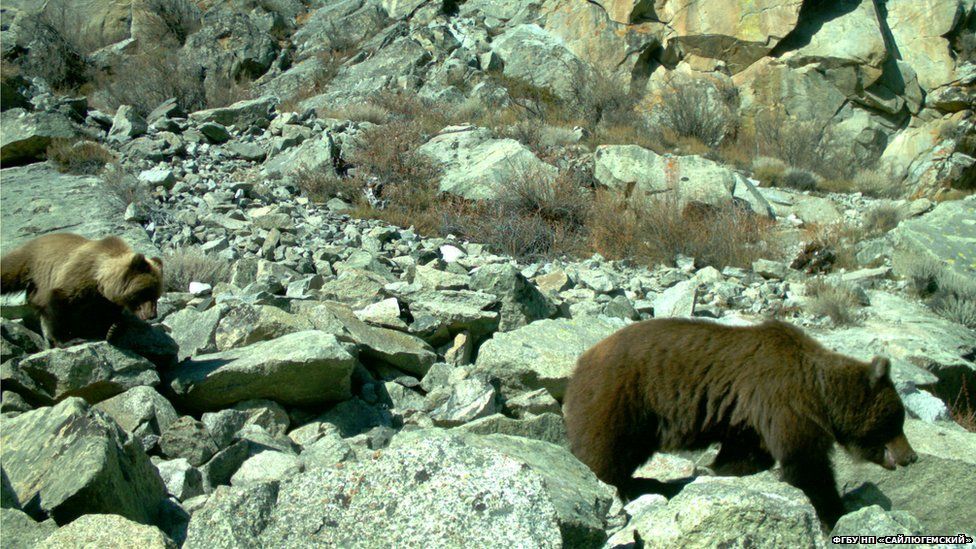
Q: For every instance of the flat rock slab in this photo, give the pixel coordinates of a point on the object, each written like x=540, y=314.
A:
x=542, y=355
x=68, y=460
x=947, y=233
x=38, y=200
x=107, y=531
x=302, y=368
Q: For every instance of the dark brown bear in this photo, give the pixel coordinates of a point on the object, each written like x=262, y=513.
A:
x=81, y=287
x=767, y=393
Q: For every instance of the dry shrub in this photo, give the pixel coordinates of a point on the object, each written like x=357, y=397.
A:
x=558, y=201
x=838, y=302
x=595, y=97
x=54, y=53
x=78, y=157
x=955, y=298
x=837, y=241
x=389, y=153
x=359, y=112
x=800, y=180
x=175, y=20
x=657, y=230
x=963, y=408
x=183, y=266
x=124, y=186
x=768, y=171
x=881, y=219
x=537, y=102
x=146, y=80
x=635, y=132
x=796, y=142
x=424, y=115
x=323, y=185
x=330, y=62
x=701, y=109
x=922, y=272
x=877, y=184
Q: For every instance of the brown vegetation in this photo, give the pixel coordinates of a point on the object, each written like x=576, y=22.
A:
x=78, y=157
x=188, y=265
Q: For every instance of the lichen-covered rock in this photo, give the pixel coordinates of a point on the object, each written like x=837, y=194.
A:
x=96, y=530
x=713, y=511
x=630, y=168
x=142, y=412
x=266, y=467
x=232, y=517
x=183, y=481
x=875, y=521
x=302, y=368
x=20, y=531
x=69, y=459
x=26, y=135
x=522, y=302
x=189, y=439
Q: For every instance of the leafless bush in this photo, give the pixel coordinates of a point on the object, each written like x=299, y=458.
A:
x=800, y=180
x=322, y=185
x=53, y=55
x=183, y=266
x=557, y=200
x=124, y=186
x=389, y=153
x=877, y=184
x=955, y=298
x=796, y=142
x=922, y=272
x=178, y=19
x=835, y=301
x=768, y=170
x=881, y=219
x=147, y=79
x=698, y=109
x=78, y=157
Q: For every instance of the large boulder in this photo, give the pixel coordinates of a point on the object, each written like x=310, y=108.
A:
x=92, y=371
x=26, y=135
x=946, y=234
x=522, y=302
x=947, y=458
x=20, y=531
x=69, y=460
x=302, y=368
x=315, y=155
x=430, y=488
x=919, y=30
x=720, y=511
x=38, y=200
x=476, y=166
x=542, y=355
x=334, y=26
x=532, y=54
x=242, y=114
x=630, y=168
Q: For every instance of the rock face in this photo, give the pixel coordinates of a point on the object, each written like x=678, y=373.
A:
x=142, y=412
x=70, y=460
x=541, y=355
x=27, y=135
x=946, y=234
x=301, y=368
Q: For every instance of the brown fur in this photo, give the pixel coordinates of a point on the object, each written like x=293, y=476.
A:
x=81, y=287
x=767, y=393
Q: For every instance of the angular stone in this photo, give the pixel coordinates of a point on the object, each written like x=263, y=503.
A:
x=189, y=439
x=194, y=331
x=267, y=467
x=26, y=136
x=68, y=460
x=107, y=530
x=946, y=234
x=93, y=371
x=303, y=368
x=470, y=399
x=522, y=302
x=232, y=517
x=127, y=125
x=243, y=114
x=20, y=531
x=677, y=301
x=547, y=427
x=183, y=481
x=542, y=354
x=141, y=412
x=246, y=324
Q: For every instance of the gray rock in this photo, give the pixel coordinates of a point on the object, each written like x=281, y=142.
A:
x=532, y=402
x=923, y=405
x=630, y=168
x=183, y=481
x=478, y=167
x=457, y=310
x=17, y=341
x=8, y=498
x=754, y=510
x=141, y=412
x=214, y=132
x=547, y=427
x=402, y=399
x=431, y=278
x=232, y=517
x=267, y=467
x=770, y=269
x=354, y=417
x=95, y=530
x=677, y=301
x=26, y=135
x=20, y=531
x=334, y=24
x=189, y=439
x=69, y=460
x=158, y=177
x=522, y=302
x=946, y=458
x=532, y=54
x=93, y=371
x=194, y=331
x=224, y=425
x=39, y=200
x=315, y=155
x=542, y=354
x=430, y=489
x=245, y=324
x=303, y=368
x=470, y=399
x=247, y=151
x=404, y=351
x=327, y=451
x=875, y=521
x=946, y=234
x=126, y=125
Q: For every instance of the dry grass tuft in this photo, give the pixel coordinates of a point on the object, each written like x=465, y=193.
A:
x=835, y=301
x=188, y=265
x=881, y=219
x=78, y=157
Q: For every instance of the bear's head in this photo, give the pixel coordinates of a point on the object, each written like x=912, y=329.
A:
x=137, y=285
x=872, y=417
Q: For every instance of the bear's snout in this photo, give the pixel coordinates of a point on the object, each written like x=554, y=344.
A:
x=146, y=311
x=899, y=451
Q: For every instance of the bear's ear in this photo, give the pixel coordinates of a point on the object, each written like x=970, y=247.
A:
x=138, y=263
x=158, y=261
x=880, y=370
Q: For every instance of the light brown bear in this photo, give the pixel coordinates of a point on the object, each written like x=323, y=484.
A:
x=767, y=393
x=81, y=287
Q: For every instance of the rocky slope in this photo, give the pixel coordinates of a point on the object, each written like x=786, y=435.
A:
x=343, y=381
